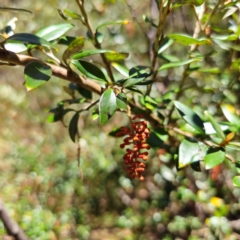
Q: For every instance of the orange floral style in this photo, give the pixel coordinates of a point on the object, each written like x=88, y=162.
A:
x=136, y=136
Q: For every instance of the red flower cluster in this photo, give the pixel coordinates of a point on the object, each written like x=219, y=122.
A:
x=136, y=136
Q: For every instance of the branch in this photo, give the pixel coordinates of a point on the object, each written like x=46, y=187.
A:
x=10, y=225
x=57, y=71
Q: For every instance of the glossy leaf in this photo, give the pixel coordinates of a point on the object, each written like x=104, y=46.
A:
x=120, y=68
x=188, y=40
x=178, y=64
x=54, y=31
x=116, y=56
x=72, y=15
x=15, y=47
x=236, y=181
x=107, y=106
x=209, y=129
x=89, y=70
x=157, y=137
x=36, y=74
x=188, y=152
x=190, y=116
x=90, y=52
x=27, y=38
x=214, y=157
x=215, y=125
x=75, y=46
x=166, y=44
x=230, y=113
x=73, y=127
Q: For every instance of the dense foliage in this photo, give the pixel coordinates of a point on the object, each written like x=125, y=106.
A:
x=163, y=73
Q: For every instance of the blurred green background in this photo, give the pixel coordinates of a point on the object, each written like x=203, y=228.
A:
x=43, y=187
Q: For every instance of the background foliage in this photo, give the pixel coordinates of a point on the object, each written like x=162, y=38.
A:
x=41, y=182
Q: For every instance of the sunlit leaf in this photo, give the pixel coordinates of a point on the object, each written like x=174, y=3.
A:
x=188, y=152
x=120, y=68
x=90, y=52
x=190, y=116
x=36, y=74
x=188, y=40
x=230, y=113
x=75, y=46
x=107, y=106
x=166, y=44
x=214, y=157
x=54, y=31
x=215, y=125
x=116, y=56
x=178, y=64
x=132, y=81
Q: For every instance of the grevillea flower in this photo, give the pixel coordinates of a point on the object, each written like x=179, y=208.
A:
x=136, y=144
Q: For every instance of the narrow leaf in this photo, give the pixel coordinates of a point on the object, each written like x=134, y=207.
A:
x=178, y=64
x=36, y=74
x=132, y=81
x=188, y=40
x=215, y=125
x=90, y=52
x=190, y=116
x=73, y=127
x=116, y=56
x=113, y=23
x=89, y=70
x=120, y=68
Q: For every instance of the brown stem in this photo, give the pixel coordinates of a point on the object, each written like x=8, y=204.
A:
x=10, y=225
x=61, y=72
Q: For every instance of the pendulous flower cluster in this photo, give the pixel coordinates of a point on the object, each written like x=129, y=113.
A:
x=136, y=137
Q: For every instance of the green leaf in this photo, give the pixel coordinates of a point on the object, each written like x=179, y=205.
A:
x=214, y=157
x=230, y=113
x=84, y=92
x=89, y=70
x=120, y=68
x=132, y=81
x=116, y=56
x=15, y=47
x=75, y=46
x=194, y=2
x=178, y=64
x=209, y=129
x=122, y=101
x=188, y=40
x=188, y=152
x=157, y=137
x=73, y=127
x=140, y=72
x=107, y=106
x=54, y=31
x=36, y=74
x=113, y=23
x=72, y=15
x=27, y=38
x=166, y=44
x=215, y=125
x=89, y=52
x=190, y=116
x=236, y=181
